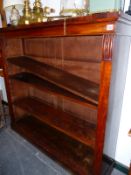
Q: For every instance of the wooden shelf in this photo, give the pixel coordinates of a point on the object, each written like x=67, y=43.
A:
x=74, y=127
x=1, y=72
x=48, y=87
x=85, y=89
x=68, y=151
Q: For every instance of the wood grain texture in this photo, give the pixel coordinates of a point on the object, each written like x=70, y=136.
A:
x=1, y=63
x=1, y=73
x=6, y=78
x=107, y=47
x=68, y=124
x=106, y=67
x=67, y=63
x=48, y=87
x=13, y=47
x=85, y=88
x=69, y=53
x=3, y=16
x=73, y=154
x=88, y=25
x=102, y=112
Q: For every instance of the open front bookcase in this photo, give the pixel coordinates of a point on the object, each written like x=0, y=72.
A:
x=57, y=78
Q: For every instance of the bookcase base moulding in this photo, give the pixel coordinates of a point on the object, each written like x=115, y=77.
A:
x=57, y=78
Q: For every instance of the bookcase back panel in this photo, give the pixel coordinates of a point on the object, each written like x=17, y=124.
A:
x=46, y=97
x=84, y=112
x=73, y=54
x=89, y=71
x=69, y=48
x=13, y=47
x=81, y=111
x=83, y=48
x=83, y=69
x=43, y=47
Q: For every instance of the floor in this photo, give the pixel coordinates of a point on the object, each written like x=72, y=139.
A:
x=19, y=157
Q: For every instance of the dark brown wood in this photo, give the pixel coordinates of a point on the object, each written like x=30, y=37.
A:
x=89, y=25
x=85, y=89
x=5, y=74
x=130, y=170
x=1, y=54
x=106, y=67
x=76, y=128
x=72, y=153
x=63, y=54
x=48, y=87
x=107, y=47
x=66, y=47
x=92, y=25
x=54, y=28
x=13, y=47
x=102, y=112
x=1, y=73
x=1, y=64
x=3, y=15
x=67, y=65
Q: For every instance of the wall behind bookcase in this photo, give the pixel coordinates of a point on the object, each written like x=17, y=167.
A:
x=2, y=87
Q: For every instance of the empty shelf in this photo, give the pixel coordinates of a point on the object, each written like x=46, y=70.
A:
x=45, y=85
x=74, y=127
x=74, y=84
x=70, y=152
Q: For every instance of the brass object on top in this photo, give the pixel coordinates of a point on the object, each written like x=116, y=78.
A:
x=37, y=4
x=37, y=15
x=27, y=13
x=129, y=133
x=74, y=12
x=74, y=8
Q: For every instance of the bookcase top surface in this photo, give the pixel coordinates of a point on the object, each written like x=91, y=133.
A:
x=92, y=24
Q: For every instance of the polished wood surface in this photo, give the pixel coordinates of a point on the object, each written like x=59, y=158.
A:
x=0, y=64
x=63, y=68
x=3, y=16
x=89, y=25
x=48, y=87
x=106, y=67
x=85, y=89
x=1, y=55
x=1, y=73
x=130, y=170
x=70, y=152
x=66, y=123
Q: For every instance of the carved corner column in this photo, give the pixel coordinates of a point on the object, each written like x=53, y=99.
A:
x=105, y=75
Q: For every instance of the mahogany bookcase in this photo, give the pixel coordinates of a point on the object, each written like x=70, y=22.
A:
x=57, y=79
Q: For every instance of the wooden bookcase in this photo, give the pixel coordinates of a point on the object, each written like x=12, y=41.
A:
x=57, y=78
x=130, y=170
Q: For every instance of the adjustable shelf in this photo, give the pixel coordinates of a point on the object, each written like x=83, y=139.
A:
x=73, y=154
x=83, y=88
x=74, y=127
x=44, y=85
